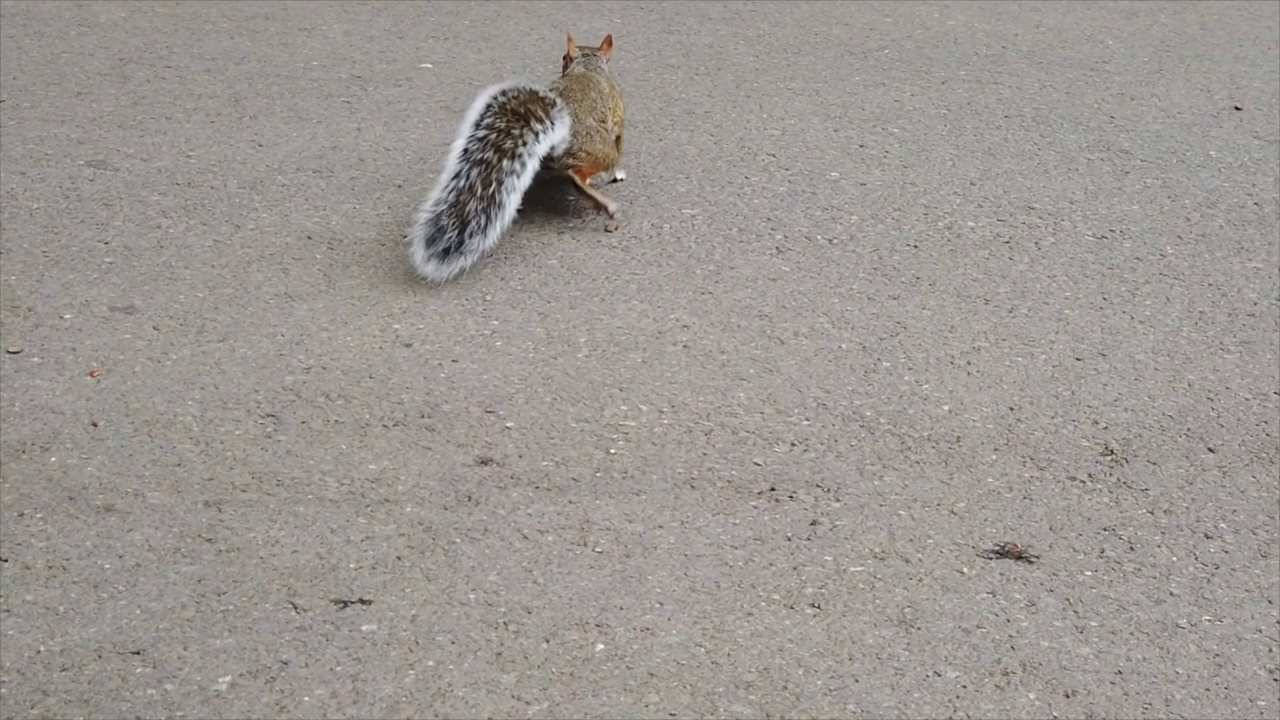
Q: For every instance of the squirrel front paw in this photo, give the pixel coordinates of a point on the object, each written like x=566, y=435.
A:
x=619, y=175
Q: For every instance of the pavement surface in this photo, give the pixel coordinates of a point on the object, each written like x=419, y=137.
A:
x=895, y=283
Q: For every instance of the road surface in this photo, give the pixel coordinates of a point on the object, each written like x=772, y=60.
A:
x=895, y=283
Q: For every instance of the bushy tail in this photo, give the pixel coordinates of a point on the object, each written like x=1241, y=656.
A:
x=506, y=134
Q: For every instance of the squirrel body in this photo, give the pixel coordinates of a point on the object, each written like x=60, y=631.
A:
x=511, y=131
x=595, y=105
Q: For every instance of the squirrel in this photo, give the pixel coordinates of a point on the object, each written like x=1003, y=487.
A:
x=510, y=133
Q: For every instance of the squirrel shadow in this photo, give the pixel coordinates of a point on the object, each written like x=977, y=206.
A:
x=550, y=196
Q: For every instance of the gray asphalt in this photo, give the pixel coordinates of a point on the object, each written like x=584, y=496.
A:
x=895, y=283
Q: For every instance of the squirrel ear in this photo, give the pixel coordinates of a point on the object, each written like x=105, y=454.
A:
x=572, y=46
x=606, y=45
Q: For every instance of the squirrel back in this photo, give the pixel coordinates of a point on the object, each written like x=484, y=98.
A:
x=511, y=129
x=595, y=103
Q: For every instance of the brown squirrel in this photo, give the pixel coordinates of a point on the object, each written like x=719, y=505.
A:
x=513, y=130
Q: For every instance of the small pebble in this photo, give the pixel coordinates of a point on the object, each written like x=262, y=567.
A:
x=14, y=349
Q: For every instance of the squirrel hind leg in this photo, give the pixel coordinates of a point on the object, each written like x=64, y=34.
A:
x=609, y=206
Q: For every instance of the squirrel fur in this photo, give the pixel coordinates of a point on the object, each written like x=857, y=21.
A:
x=511, y=131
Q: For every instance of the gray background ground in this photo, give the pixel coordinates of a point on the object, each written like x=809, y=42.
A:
x=895, y=282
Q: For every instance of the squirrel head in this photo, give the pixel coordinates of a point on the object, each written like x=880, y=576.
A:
x=586, y=56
